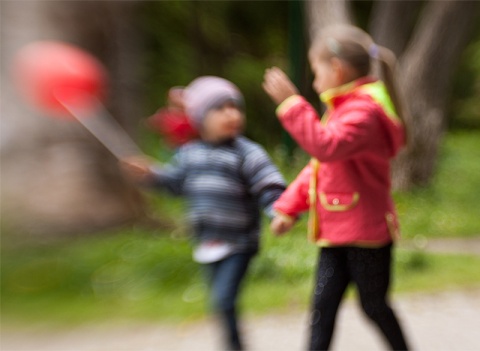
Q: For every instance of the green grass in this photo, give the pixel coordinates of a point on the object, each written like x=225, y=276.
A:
x=418, y=271
x=148, y=275
x=449, y=207
x=138, y=276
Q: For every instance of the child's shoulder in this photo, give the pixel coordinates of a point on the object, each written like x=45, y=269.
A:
x=247, y=144
x=190, y=146
x=249, y=149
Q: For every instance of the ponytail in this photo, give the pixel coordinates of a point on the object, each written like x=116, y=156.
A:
x=387, y=64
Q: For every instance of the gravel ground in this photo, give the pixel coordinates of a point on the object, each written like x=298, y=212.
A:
x=446, y=321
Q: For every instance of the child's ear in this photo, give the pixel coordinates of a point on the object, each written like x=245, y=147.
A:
x=343, y=72
x=338, y=69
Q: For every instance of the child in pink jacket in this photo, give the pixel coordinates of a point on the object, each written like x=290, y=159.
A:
x=346, y=186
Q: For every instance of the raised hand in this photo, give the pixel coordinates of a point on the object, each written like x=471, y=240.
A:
x=277, y=85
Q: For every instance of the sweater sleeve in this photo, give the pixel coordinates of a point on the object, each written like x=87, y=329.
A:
x=264, y=181
x=169, y=177
x=339, y=139
x=294, y=200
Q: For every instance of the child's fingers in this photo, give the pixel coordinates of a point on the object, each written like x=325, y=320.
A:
x=270, y=89
x=277, y=84
x=136, y=161
x=274, y=225
x=272, y=85
x=274, y=228
x=175, y=97
x=280, y=225
x=279, y=76
x=274, y=76
x=137, y=167
x=267, y=83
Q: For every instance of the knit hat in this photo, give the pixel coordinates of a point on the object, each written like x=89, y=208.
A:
x=208, y=92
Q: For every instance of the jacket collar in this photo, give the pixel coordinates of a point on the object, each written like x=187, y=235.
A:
x=334, y=96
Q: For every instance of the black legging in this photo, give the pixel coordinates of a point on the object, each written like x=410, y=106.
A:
x=369, y=269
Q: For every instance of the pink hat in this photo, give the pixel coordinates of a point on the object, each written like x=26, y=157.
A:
x=208, y=92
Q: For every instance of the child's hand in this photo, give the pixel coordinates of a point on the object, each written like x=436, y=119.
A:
x=277, y=85
x=175, y=98
x=281, y=224
x=137, y=167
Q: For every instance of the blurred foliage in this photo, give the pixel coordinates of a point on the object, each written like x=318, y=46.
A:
x=239, y=39
x=105, y=273
x=465, y=107
x=148, y=274
x=232, y=39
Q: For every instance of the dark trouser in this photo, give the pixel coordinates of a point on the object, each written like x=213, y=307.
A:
x=369, y=269
x=225, y=280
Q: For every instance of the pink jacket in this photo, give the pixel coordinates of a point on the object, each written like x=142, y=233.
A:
x=347, y=184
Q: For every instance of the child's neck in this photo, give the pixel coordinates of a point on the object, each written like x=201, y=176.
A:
x=217, y=140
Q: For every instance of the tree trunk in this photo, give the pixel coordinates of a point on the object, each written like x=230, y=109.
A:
x=391, y=23
x=125, y=45
x=56, y=178
x=321, y=13
x=433, y=49
x=427, y=67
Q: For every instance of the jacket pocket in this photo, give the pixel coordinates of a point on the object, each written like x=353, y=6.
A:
x=338, y=202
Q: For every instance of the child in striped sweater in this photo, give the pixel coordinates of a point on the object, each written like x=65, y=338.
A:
x=227, y=179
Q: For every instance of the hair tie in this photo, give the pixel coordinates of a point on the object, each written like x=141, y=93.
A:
x=373, y=51
x=333, y=45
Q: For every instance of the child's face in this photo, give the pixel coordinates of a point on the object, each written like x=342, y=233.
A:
x=326, y=74
x=223, y=123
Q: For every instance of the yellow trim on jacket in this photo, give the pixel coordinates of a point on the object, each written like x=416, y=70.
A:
x=338, y=207
x=313, y=218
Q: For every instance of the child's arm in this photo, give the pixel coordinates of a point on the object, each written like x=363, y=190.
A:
x=148, y=172
x=292, y=203
x=138, y=168
x=327, y=142
x=263, y=178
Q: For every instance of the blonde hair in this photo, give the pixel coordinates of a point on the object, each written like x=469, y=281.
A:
x=355, y=47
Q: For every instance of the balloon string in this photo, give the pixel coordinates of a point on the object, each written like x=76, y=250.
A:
x=101, y=124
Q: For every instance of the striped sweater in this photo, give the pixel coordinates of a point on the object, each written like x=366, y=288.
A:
x=226, y=185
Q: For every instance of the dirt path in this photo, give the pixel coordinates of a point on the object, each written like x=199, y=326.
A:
x=469, y=246
x=434, y=322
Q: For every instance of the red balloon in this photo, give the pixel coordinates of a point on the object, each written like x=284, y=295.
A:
x=51, y=73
